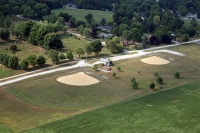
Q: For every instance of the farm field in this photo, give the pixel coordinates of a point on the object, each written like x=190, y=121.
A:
x=4, y=129
x=44, y=100
x=175, y=110
x=80, y=14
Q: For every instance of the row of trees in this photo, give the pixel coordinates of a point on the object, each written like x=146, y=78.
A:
x=40, y=34
x=13, y=61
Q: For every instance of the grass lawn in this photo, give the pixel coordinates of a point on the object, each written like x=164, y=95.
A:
x=175, y=110
x=4, y=129
x=187, y=22
x=80, y=14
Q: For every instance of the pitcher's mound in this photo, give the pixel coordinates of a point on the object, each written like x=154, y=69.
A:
x=78, y=79
x=154, y=60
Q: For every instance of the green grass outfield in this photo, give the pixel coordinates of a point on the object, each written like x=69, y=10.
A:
x=80, y=14
x=175, y=110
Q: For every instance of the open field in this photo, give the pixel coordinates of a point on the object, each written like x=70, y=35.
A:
x=43, y=99
x=175, y=110
x=187, y=22
x=80, y=14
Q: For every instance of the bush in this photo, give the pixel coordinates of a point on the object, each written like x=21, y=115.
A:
x=177, y=75
x=95, y=67
x=156, y=74
x=114, y=74
x=13, y=47
x=160, y=80
x=118, y=68
x=152, y=86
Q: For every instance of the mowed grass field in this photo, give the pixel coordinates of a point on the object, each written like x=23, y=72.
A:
x=175, y=110
x=80, y=14
x=187, y=22
x=43, y=100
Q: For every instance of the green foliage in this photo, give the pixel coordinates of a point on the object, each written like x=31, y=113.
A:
x=152, y=86
x=61, y=56
x=177, y=75
x=156, y=74
x=53, y=54
x=4, y=58
x=32, y=60
x=95, y=67
x=42, y=31
x=4, y=34
x=160, y=80
x=69, y=55
x=52, y=40
x=119, y=68
x=72, y=22
x=94, y=46
x=79, y=51
x=13, y=62
x=184, y=37
x=134, y=84
x=114, y=74
x=24, y=64
x=89, y=18
x=113, y=45
x=41, y=60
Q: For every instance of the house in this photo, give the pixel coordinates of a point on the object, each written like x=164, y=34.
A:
x=106, y=62
x=191, y=16
x=105, y=28
x=104, y=35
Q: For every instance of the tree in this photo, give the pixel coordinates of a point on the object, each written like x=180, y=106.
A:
x=103, y=21
x=72, y=22
x=52, y=40
x=4, y=58
x=28, y=13
x=134, y=84
x=88, y=49
x=122, y=28
x=24, y=64
x=13, y=48
x=177, y=75
x=32, y=37
x=61, y=56
x=153, y=40
x=42, y=31
x=193, y=22
x=94, y=33
x=136, y=34
x=86, y=32
x=79, y=51
x=7, y=22
x=89, y=18
x=4, y=34
x=13, y=62
x=32, y=60
x=156, y=74
x=184, y=37
x=114, y=74
x=159, y=80
x=127, y=35
x=95, y=67
x=69, y=55
x=144, y=42
x=156, y=20
x=118, y=68
x=166, y=39
x=183, y=10
x=41, y=10
x=81, y=29
x=41, y=60
x=96, y=46
x=53, y=54
x=152, y=86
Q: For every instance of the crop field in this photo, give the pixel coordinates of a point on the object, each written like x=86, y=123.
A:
x=80, y=14
x=43, y=100
x=175, y=110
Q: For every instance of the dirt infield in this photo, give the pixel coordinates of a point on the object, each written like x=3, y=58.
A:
x=154, y=60
x=78, y=79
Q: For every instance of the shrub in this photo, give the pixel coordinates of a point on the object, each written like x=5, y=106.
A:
x=13, y=47
x=152, y=86
x=118, y=68
x=160, y=80
x=134, y=84
x=95, y=67
x=114, y=74
x=156, y=74
x=177, y=75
